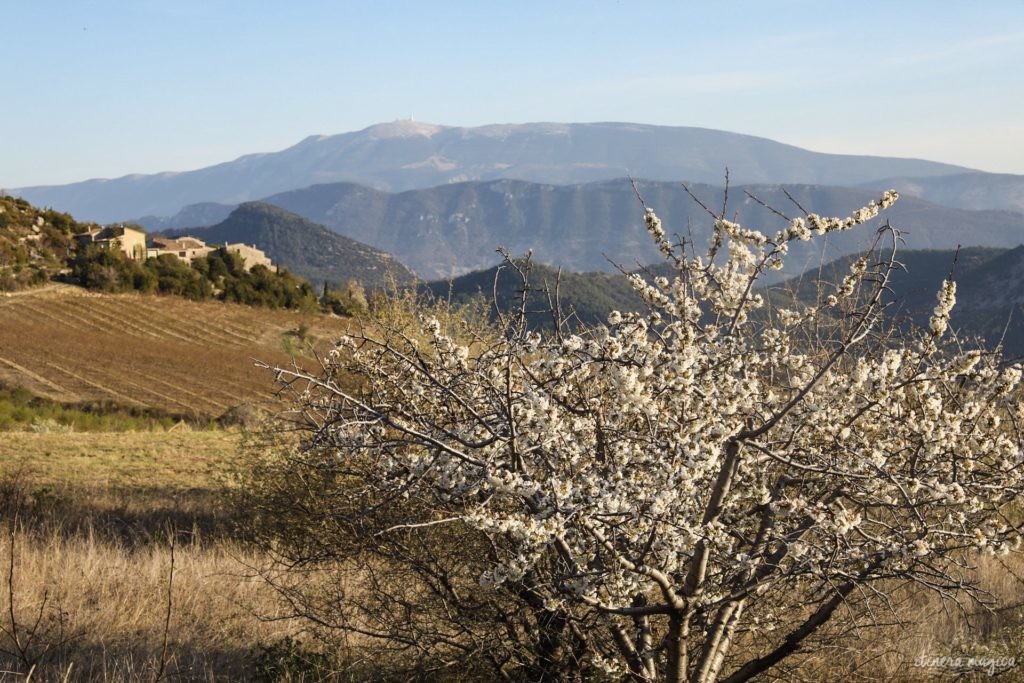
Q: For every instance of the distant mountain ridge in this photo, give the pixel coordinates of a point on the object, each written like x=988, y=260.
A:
x=407, y=155
x=989, y=298
x=990, y=291
x=305, y=248
x=194, y=215
x=964, y=190
x=589, y=297
x=453, y=229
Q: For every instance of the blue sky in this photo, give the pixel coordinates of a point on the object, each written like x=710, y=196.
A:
x=103, y=89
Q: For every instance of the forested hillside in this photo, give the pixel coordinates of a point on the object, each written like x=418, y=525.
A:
x=309, y=250
x=586, y=297
x=990, y=291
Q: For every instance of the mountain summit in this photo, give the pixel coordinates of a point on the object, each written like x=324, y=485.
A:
x=405, y=155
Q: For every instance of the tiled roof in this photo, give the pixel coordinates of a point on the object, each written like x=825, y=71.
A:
x=180, y=244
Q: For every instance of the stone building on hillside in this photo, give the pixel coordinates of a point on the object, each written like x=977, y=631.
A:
x=134, y=244
x=250, y=253
x=128, y=240
x=186, y=248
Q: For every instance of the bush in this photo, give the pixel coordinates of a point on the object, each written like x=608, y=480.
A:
x=21, y=410
x=349, y=301
x=699, y=491
x=48, y=425
x=174, y=276
x=244, y=415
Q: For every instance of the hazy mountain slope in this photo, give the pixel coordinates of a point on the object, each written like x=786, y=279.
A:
x=454, y=229
x=990, y=297
x=590, y=296
x=914, y=284
x=305, y=248
x=990, y=290
x=991, y=300
x=201, y=214
x=405, y=155
x=966, y=190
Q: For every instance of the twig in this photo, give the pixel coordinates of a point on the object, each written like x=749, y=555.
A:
x=22, y=654
x=170, y=605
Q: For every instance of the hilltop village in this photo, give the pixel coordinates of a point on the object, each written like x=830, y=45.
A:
x=137, y=245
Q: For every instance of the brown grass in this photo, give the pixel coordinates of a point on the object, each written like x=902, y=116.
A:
x=103, y=606
x=167, y=353
x=917, y=628
x=87, y=516
x=91, y=556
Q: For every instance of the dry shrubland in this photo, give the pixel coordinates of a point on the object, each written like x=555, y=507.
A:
x=154, y=555
x=96, y=607
x=711, y=490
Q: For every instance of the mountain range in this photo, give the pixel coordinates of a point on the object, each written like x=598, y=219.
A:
x=454, y=229
x=989, y=297
x=990, y=291
x=990, y=279
x=442, y=199
x=406, y=155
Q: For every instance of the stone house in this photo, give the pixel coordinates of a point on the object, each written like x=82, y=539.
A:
x=128, y=240
x=250, y=253
x=186, y=248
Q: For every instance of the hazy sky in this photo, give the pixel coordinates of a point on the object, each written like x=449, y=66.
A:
x=103, y=89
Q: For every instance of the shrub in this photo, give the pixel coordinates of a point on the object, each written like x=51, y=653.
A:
x=289, y=660
x=696, y=492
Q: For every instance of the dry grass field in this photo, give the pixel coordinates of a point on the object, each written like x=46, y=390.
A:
x=104, y=605
x=166, y=353
x=86, y=555
x=89, y=562
x=85, y=516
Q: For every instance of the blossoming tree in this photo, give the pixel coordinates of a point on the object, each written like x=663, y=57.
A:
x=699, y=489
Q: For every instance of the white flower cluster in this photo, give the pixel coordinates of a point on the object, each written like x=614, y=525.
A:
x=802, y=229
x=653, y=225
x=940, y=316
x=736, y=231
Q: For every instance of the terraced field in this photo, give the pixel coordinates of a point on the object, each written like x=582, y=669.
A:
x=167, y=353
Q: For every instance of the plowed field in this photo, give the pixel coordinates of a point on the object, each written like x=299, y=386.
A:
x=166, y=353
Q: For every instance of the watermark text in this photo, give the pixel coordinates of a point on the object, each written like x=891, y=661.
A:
x=989, y=664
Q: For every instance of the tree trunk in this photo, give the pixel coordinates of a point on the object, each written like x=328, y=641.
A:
x=675, y=643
